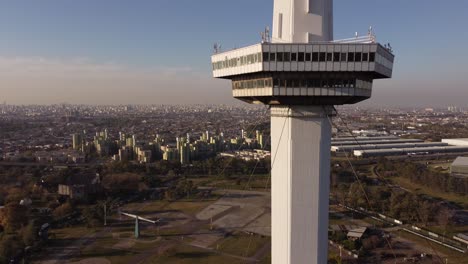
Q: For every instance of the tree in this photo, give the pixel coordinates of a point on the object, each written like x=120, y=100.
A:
x=10, y=246
x=349, y=245
x=94, y=216
x=356, y=196
x=152, y=181
x=342, y=193
x=63, y=210
x=29, y=234
x=170, y=194
x=123, y=183
x=185, y=188
x=15, y=195
x=444, y=216
x=426, y=212
x=15, y=216
x=334, y=259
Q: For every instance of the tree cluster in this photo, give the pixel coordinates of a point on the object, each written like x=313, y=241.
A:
x=421, y=174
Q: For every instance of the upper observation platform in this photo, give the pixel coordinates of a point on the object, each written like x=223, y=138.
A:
x=321, y=73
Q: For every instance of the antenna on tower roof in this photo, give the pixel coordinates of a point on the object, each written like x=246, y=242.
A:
x=371, y=35
x=216, y=48
x=266, y=35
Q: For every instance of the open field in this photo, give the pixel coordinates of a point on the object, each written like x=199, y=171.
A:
x=242, y=244
x=184, y=254
x=231, y=229
x=180, y=237
x=255, y=183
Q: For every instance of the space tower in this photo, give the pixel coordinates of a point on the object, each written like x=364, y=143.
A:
x=301, y=73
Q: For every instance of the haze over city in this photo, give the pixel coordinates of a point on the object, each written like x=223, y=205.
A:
x=155, y=52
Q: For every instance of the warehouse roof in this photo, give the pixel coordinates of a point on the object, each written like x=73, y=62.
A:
x=456, y=141
x=362, y=138
x=404, y=151
x=336, y=147
x=382, y=141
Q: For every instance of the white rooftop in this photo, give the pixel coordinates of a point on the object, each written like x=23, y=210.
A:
x=461, y=161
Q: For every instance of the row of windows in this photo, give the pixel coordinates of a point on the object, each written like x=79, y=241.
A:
x=241, y=61
x=304, y=83
x=249, y=84
x=319, y=56
x=296, y=57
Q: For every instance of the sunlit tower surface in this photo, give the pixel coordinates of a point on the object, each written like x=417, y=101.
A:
x=301, y=73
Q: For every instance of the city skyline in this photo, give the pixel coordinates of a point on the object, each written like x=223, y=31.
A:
x=97, y=53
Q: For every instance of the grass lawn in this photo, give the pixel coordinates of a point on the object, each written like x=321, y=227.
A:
x=72, y=232
x=97, y=252
x=185, y=254
x=190, y=207
x=103, y=248
x=257, y=183
x=266, y=259
x=419, y=189
x=241, y=244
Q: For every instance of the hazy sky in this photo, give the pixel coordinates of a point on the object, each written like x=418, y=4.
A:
x=158, y=51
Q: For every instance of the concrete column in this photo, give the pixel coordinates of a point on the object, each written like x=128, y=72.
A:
x=302, y=21
x=300, y=184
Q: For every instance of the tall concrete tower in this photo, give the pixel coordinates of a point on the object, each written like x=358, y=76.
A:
x=301, y=73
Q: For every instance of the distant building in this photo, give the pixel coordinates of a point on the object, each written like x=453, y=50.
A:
x=79, y=187
x=144, y=156
x=459, y=167
x=409, y=151
x=184, y=152
x=260, y=139
x=102, y=143
x=75, y=192
x=370, y=133
x=170, y=154
x=357, y=233
x=125, y=154
x=77, y=141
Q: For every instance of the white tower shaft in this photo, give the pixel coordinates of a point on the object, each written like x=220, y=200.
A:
x=302, y=21
x=299, y=75
x=300, y=137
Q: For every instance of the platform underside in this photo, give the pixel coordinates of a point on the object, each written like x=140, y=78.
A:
x=303, y=100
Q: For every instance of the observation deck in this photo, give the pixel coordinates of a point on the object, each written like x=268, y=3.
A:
x=322, y=73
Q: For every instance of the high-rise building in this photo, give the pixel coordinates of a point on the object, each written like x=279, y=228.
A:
x=301, y=73
x=170, y=154
x=184, y=152
x=159, y=139
x=260, y=139
x=77, y=141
